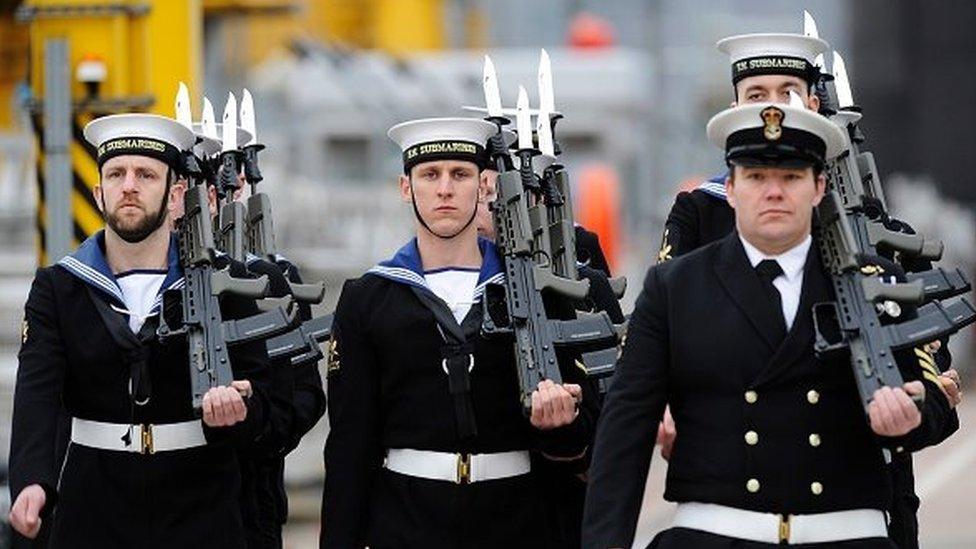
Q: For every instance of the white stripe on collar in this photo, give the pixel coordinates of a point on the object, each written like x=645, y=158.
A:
x=714, y=189
x=410, y=277
x=91, y=275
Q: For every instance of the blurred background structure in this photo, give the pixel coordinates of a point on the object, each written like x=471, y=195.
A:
x=636, y=80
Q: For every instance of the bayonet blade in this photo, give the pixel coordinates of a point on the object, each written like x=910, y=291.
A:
x=795, y=100
x=183, y=114
x=229, y=137
x=547, y=99
x=247, y=117
x=207, y=120
x=523, y=121
x=544, y=130
x=845, y=98
x=810, y=25
x=493, y=97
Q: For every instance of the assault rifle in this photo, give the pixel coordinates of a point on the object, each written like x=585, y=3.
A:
x=517, y=306
x=255, y=224
x=194, y=309
x=852, y=234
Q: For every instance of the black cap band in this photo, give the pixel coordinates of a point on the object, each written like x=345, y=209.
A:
x=141, y=146
x=444, y=150
x=775, y=64
x=793, y=148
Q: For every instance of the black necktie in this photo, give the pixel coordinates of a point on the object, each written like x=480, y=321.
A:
x=768, y=270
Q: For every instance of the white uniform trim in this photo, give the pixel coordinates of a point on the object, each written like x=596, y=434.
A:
x=143, y=439
x=714, y=189
x=773, y=528
x=139, y=292
x=456, y=288
x=458, y=468
x=87, y=273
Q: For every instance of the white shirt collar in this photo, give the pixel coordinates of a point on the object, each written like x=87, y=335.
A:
x=791, y=261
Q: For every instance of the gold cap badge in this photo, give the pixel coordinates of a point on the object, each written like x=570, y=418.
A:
x=772, y=119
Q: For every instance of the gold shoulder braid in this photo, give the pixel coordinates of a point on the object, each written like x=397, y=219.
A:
x=665, y=253
x=333, y=361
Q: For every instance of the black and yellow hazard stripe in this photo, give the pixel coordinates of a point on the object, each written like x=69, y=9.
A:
x=40, y=221
x=84, y=175
x=86, y=217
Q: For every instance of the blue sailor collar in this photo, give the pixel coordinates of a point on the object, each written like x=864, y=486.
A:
x=715, y=186
x=406, y=267
x=88, y=263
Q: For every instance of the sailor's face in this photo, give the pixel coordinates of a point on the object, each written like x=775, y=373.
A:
x=132, y=192
x=484, y=220
x=774, y=88
x=774, y=206
x=446, y=193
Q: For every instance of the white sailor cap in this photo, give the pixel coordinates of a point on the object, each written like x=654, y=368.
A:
x=771, y=53
x=776, y=134
x=151, y=135
x=208, y=145
x=430, y=139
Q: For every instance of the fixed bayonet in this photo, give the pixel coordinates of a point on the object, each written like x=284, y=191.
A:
x=183, y=113
x=232, y=215
x=810, y=25
x=845, y=98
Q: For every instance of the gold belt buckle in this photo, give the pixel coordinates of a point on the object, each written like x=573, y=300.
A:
x=784, y=528
x=147, y=439
x=463, y=468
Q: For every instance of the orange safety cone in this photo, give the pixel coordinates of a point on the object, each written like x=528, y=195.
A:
x=598, y=208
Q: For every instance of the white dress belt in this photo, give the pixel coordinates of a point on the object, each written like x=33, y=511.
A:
x=143, y=439
x=772, y=528
x=458, y=468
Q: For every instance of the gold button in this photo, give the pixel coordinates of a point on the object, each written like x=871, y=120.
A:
x=816, y=488
x=752, y=438
x=752, y=486
x=752, y=397
x=813, y=397
x=814, y=440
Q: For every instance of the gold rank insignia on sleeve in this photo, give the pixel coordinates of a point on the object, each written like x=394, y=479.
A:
x=927, y=364
x=665, y=253
x=872, y=270
x=23, y=332
x=332, y=365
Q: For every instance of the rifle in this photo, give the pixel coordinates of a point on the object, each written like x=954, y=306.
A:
x=517, y=305
x=302, y=343
x=560, y=243
x=851, y=235
x=194, y=309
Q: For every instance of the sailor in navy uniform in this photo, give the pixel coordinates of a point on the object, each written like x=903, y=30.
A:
x=765, y=68
x=141, y=469
x=296, y=396
x=773, y=447
x=428, y=444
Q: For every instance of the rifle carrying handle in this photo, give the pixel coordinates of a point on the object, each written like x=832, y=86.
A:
x=906, y=293
x=308, y=293
x=573, y=289
x=618, y=285
x=221, y=282
x=932, y=250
